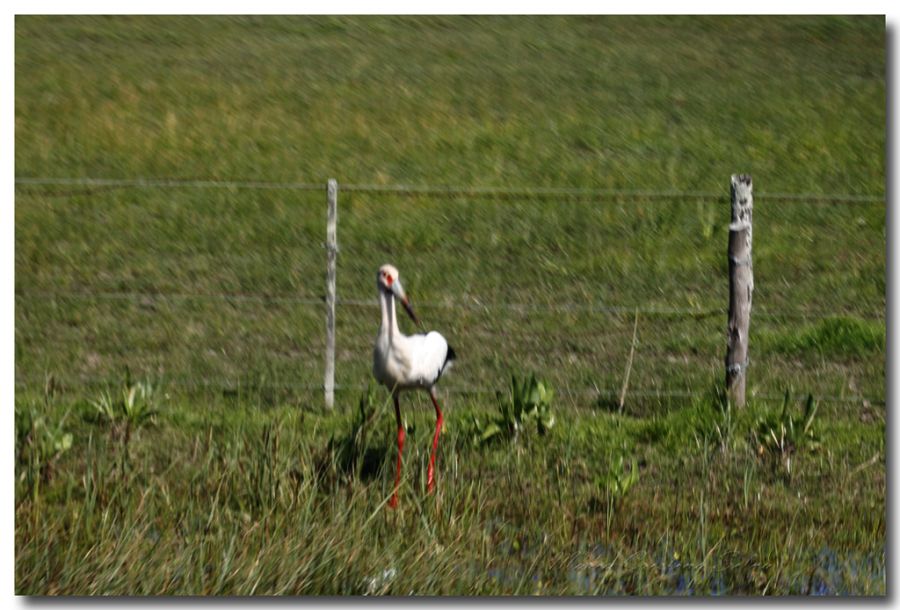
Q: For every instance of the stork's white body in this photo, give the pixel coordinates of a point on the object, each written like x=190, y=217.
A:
x=403, y=362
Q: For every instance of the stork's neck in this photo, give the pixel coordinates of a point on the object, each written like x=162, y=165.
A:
x=389, y=327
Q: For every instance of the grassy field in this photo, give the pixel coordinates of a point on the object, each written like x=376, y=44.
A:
x=224, y=475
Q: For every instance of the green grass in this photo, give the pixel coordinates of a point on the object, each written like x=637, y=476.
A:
x=608, y=102
x=834, y=337
x=249, y=499
x=214, y=296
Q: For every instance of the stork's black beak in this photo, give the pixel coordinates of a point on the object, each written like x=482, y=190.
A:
x=409, y=310
x=398, y=291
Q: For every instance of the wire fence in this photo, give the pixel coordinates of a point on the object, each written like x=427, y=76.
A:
x=220, y=284
x=439, y=191
x=809, y=314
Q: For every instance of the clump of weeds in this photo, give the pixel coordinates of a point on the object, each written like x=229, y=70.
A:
x=527, y=403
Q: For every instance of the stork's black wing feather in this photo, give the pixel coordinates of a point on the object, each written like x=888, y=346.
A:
x=448, y=359
x=451, y=355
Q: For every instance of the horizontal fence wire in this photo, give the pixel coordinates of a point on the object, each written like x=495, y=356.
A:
x=618, y=310
x=232, y=385
x=160, y=183
x=171, y=296
x=446, y=191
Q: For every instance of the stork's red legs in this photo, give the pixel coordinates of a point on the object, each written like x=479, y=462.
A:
x=437, y=433
x=401, y=437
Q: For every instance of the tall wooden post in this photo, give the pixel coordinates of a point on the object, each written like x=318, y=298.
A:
x=331, y=292
x=740, y=282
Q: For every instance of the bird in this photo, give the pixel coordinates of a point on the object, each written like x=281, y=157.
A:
x=407, y=362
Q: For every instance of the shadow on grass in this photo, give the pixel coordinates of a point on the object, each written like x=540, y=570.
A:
x=360, y=451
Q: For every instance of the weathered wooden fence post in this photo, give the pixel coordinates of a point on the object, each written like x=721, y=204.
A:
x=740, y=282
x=331, y=291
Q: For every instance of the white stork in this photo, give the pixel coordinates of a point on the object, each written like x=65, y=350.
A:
x=407, y=362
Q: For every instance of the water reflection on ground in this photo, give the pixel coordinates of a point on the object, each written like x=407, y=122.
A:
x=602, y=571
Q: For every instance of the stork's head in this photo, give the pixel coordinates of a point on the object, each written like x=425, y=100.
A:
x=389, y=283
